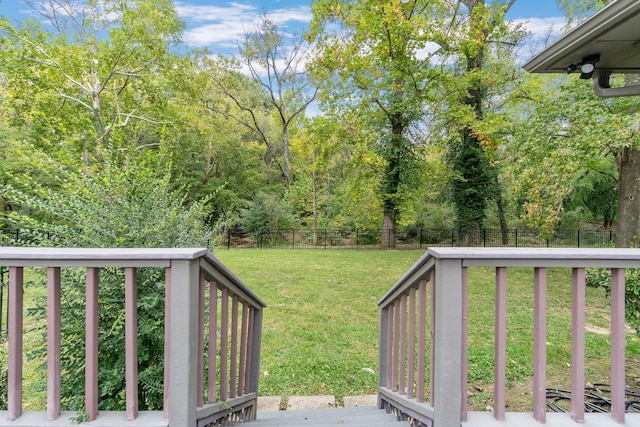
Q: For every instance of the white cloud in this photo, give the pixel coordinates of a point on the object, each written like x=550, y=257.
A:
x=223, y=26
x=542, y=27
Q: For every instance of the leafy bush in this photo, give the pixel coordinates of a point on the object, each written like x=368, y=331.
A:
x=601, y=278
x=4, y=372
x=115, y=207
x=266, y=213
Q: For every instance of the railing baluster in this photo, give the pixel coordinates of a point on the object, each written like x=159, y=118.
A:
x=247, y=371
x=577, y=347
x=213, y=341
x=395, y=364
x=131, y=343
x=167, y=339
x=464, y=366
x=224, y=345
x=243, y=349
x=389, y=363
x=500, y=344
x=91, y=347
x=540, y=344
x=412, y=343
x=15, y=334
x=432, y=337
x=53, y=343
x=233, y=375
x=422, y=338
x=403, y=343
x=200, y=390
x=617, y=345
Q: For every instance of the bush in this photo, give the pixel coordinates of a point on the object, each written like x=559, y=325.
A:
x=601, y=278
x=115, y=207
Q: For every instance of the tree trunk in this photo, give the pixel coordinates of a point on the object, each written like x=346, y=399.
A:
x=388, y=237
x=628, y=198
x=286, y=168
x=315, y=201
x=504, y=230
x=396, y=157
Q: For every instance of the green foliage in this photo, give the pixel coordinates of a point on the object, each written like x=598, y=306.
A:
x=4, y=373
x=601, y=278
x=115, y=207
x=266, y=213
x=119, y=206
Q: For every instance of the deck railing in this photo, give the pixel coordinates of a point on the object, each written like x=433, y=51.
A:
x=434, y=294
x=198, y=290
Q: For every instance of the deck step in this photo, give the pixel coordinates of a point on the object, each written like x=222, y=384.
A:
x=359, y=416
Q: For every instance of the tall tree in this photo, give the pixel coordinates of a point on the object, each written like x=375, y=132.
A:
x=278, y=67
x=382, y=64
x=484, y=36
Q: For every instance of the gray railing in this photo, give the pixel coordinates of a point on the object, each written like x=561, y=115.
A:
x=433, y=294
x=199, y=293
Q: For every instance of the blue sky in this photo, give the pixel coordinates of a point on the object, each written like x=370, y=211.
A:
x=220, y=24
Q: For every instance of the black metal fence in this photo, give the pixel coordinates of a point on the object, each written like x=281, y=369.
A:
x=415, y=238
x=410, y=238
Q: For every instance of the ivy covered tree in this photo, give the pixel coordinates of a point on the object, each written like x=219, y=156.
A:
x=380, y=66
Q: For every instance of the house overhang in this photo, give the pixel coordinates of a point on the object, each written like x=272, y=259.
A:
x=609, y=39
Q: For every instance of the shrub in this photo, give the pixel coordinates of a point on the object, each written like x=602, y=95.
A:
x=601, y=278
x=114, y=207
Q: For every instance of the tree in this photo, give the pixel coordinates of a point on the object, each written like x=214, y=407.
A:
x=84, y=75
x=475, y=178
x=276, y=67
x=382, y=66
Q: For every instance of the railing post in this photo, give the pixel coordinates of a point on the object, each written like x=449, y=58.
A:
x=184, y=343
x=448, y=343
x=256, y=341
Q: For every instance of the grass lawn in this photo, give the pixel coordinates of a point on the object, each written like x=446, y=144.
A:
x=321, y=324
x=320, y=328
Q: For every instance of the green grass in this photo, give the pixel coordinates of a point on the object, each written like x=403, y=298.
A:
x=321, y=324
x=320, y=328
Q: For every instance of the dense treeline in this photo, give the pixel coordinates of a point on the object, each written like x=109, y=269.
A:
x=111, y=128
x=425, y=118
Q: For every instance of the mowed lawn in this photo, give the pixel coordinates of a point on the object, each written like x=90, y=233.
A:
x=320, y=331
x=320, y=328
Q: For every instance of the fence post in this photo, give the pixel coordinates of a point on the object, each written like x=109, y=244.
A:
x=293, y=238
x=229, y=239
x=578, y=237
x=484, y=237
x=517, y=238
x=420, y=241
